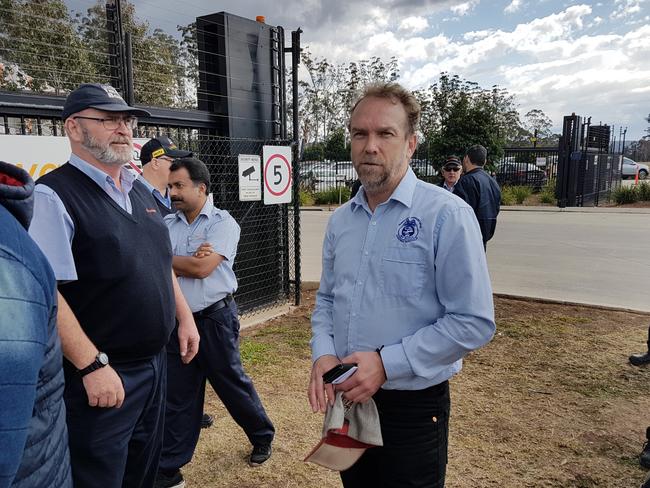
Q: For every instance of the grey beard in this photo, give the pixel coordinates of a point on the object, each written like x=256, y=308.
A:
x=105, y=154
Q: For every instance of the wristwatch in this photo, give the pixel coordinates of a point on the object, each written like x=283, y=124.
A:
x=100, y=361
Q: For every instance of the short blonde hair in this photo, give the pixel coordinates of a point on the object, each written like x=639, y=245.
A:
x=396, y=93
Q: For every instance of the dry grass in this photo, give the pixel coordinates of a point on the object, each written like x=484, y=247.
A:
x=551, y=402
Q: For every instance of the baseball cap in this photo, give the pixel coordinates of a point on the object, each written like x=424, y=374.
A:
x=452, y=161
x=161, y=146
x=101, y=97
x=347, y=433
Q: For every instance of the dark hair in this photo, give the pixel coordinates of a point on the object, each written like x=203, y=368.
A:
x=477, y=155
x=396, y=93
x=196, y=168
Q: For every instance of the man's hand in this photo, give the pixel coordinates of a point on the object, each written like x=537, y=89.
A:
x=188, y=338
x=204, y=250
x=104, y=388
x=363, y=384
x=319, y=393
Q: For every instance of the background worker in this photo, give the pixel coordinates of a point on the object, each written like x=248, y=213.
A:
x=156, y=156
x=480, y=191
x=208, y=284
x=451, y=171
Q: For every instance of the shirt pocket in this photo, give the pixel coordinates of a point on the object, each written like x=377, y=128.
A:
x=403, y=271
x=194, y=242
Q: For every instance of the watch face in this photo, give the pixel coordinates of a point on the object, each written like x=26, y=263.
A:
x=102, y=358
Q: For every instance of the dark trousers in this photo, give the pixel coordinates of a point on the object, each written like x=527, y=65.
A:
x=118, y=447
x=219, y=362
x=414, y=427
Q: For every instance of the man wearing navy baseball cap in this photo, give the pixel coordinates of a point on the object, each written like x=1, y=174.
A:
x=92, y=218
x=156, y=157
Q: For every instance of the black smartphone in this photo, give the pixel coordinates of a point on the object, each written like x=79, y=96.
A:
x=339, y=373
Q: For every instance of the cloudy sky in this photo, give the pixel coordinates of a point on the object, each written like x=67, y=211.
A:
x=591, y=58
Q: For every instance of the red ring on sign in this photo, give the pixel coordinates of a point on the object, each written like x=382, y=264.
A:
x=266, y=166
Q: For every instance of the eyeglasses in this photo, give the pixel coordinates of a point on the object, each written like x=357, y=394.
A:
x=452, y=168
x=112, y=123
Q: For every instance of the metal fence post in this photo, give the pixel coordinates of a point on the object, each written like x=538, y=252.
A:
x=295, y=61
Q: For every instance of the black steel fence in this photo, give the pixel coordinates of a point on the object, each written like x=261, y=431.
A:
x=531, y=167
x=589, y=164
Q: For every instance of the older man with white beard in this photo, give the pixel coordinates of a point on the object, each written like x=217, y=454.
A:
x=101, y=230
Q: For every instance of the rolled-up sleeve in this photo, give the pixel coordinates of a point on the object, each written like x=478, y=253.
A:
x=322, y=341
x=53, y=230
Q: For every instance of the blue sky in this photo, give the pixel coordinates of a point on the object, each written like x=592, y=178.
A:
x=591, y=58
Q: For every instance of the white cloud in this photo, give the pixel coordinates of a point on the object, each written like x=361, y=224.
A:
x=513, y=7
x=414, y=24
x=626, y=8
x=464, y=8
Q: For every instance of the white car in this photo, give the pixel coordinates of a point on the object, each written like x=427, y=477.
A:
x=630, y=169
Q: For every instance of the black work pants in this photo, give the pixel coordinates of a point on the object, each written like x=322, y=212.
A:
x=218, y=361
x=414, y=427
x=118, y=447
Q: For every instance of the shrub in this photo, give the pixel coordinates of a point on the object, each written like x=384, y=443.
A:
x=306, y=198
x=643, y=191
x=547, y=196
x=521, y=193
x=625, y=194
x=331, y=196
x=507, y=198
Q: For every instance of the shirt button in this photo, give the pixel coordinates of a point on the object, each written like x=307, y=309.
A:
x=366, y=253
x=374, y=223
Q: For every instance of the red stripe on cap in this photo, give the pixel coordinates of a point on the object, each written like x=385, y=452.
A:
x=8, y=180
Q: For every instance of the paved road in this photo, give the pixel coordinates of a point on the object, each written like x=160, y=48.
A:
x=598, y=257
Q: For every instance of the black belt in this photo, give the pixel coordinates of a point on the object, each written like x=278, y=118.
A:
x=218, y=305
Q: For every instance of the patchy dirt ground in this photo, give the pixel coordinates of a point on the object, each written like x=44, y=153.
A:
x=550, y=402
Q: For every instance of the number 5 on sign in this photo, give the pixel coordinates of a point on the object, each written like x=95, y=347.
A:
x=277, y=174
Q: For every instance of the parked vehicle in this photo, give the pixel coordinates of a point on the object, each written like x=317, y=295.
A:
x=520, y=174
x=630, y=169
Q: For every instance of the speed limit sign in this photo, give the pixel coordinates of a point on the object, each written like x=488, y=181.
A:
x=277, y=174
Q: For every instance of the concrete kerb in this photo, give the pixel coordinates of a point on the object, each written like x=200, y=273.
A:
x=313, y=285
x=522, y=208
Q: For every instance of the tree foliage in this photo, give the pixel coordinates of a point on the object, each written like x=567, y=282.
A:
x=39, y=39
x=457, y=113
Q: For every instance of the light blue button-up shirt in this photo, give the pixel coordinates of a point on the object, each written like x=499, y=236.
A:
x=165, y=200
x=217, y=227
x=412, y=276
x=52, y=227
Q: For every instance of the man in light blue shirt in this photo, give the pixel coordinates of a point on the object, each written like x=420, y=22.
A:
x=204, y=243
x=405, y=294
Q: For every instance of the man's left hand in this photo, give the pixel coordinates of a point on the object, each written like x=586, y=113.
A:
x=188, y=339
x=363, y=384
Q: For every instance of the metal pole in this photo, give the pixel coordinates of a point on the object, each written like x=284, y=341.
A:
x=295, y=61
x=129, y=92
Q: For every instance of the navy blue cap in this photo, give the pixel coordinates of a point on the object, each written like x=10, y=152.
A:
x=101, y=97
x=161, y=146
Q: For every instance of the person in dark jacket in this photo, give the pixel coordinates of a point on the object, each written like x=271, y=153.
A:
x=32, y=413
x=480, y=191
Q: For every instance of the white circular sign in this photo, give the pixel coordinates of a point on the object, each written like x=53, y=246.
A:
x=277, y=174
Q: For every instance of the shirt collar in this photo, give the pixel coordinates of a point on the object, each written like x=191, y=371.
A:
x=154, y=190
x=449, y=187
x=403, y=193
x=102, y=179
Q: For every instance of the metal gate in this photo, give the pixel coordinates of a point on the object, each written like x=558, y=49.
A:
x=589, y=167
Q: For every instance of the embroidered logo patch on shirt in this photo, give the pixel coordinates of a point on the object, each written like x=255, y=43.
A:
x=409, y=229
